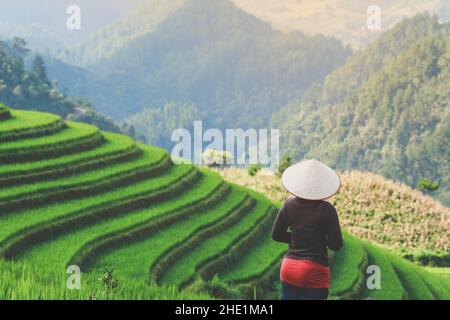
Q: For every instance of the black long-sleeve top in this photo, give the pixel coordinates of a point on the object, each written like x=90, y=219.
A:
x=314, y=227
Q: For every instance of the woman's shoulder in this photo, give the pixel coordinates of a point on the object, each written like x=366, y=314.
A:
x=291, y=201
x=329, y=207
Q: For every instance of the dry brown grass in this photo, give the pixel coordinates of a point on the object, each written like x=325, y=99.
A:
x=374, y=208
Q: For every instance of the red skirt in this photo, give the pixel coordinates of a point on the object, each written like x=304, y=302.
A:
x=304, y=273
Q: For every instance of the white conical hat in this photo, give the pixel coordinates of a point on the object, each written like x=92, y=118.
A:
x=311, y=179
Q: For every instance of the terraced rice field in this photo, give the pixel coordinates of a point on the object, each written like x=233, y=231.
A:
x=72, y=195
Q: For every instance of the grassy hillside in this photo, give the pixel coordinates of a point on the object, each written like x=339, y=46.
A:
x=101, y=45
x=233, y=67
x=386, y=110
x=24, y=82
x=75, y=196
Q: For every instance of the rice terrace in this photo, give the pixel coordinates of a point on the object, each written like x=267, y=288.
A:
x=140, y=227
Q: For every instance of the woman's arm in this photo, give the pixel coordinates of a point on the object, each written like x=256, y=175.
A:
x=334, y=233
x=279, y=228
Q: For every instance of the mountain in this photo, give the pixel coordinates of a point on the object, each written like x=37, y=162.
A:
x=21, y=87
x=153, y=124
x=106, y=41
x=24, y=83
x=44, y=23
x=343, y=19
x=233, y=67
x=386, y=110
x=39, y=38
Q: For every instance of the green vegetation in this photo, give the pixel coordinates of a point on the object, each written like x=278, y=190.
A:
x=13, y=222
x=285, y=162
x=19, y=281
x=23, y=124
x=4, y=112
x=76, y=137
x=440, y=271
x=21, y=87
x=426, y=184
x=115, y=149
x=438, y=285
x=346, y=274
x=57, y=253
x=185, y=269
x=140, y=21
x=156, y=190
x=237, y=81
x=391, y=286
x=258, y=260
x=146, y=160
x=413, y=283
x=386, y=110
x=253, y=169
x=73, y=132
x=127, y=260
x=31, y=88
x=154, y=124
x=140, y=227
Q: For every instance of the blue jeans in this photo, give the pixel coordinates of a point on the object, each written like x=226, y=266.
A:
x=290, y=292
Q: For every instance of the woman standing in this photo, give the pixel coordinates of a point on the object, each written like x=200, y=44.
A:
x=314, y=228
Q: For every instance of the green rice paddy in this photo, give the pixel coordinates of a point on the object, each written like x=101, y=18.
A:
x=70, y=194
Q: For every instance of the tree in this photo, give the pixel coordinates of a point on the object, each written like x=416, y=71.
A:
x=285, y=162
x=20, y=47
x=426, y=184
x=38, y=70
x=253, y=169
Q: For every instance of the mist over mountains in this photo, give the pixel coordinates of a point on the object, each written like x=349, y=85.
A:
x=44, y=23
x=343, y=19
x=386, y=110
x=233, y=67
x=160, y=65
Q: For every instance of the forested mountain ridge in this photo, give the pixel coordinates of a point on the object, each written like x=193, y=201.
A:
x=24, y=83
x=20, y=87
x=362, y=65
x=387, y=110
x=233, y=67
x=105, y=42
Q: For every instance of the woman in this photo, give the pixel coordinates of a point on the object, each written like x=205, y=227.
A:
x=314, y=227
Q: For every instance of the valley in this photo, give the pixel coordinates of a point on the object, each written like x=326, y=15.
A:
x=96, y=204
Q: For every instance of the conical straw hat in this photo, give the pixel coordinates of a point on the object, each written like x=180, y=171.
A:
x=311, y=180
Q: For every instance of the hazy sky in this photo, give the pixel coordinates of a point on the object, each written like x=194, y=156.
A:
x=344, y=19
x=52, y=13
